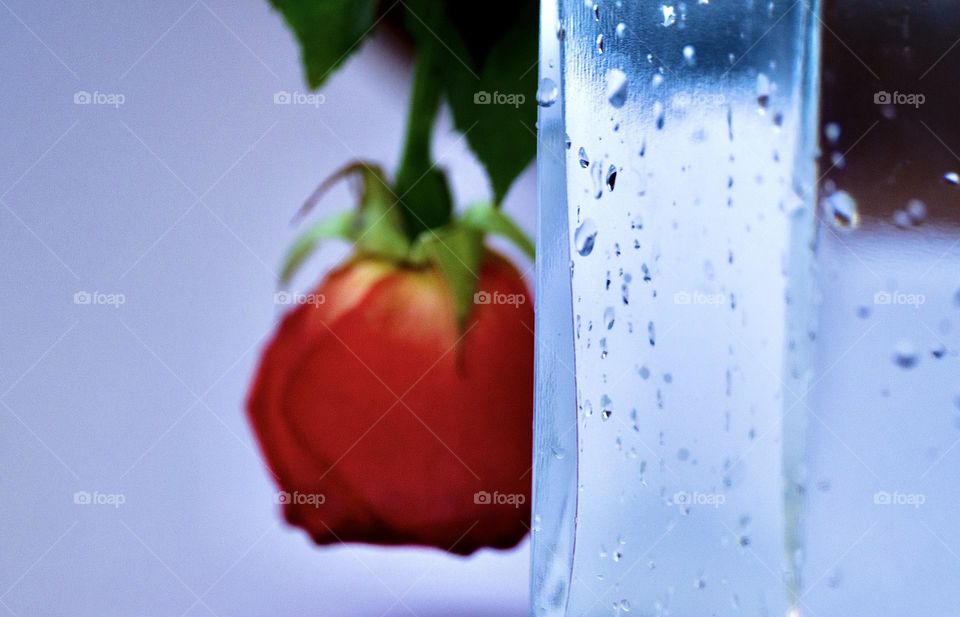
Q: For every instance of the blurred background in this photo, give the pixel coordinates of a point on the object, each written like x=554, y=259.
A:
x=147, y=181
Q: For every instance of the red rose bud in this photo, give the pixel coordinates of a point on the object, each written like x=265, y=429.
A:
x=385, y=420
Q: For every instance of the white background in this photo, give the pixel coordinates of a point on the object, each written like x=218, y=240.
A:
x=180, y=200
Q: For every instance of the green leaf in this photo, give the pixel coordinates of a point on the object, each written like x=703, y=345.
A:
x=457, y=251
x=488, y=57
x=328, y=31
x=484, y=217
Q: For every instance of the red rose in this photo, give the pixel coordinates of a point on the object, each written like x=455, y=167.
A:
x=385, y=421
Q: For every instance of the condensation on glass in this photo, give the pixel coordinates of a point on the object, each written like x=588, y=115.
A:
x=882, y=489
x=677, y=186
x=748, y=395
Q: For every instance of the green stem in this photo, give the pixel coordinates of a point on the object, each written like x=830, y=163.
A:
x=424, y=105
x=422, y=189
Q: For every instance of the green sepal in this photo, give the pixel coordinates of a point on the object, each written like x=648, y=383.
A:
x=486, y=218
x=457, y=251
x=339, y=226
x=375, y=227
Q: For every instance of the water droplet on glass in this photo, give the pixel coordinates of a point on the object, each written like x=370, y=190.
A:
x=621, y=30
x=585, y=237
x=609, y=317
x=611, y=177
x=600, y=43
x=832, y=132
x=763, y=91
x=616, y=87
x=917, y=211
x=596, y=12
x=952, y=177
x=596, y=174
x=905, y=355
x=841, y=209
x=689, y=54
x=658, y=114
x=901, y=219
x=547, y=92
x=669, y=15
x=584, y=159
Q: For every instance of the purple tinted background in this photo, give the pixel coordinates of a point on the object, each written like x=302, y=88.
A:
x=179, y=199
